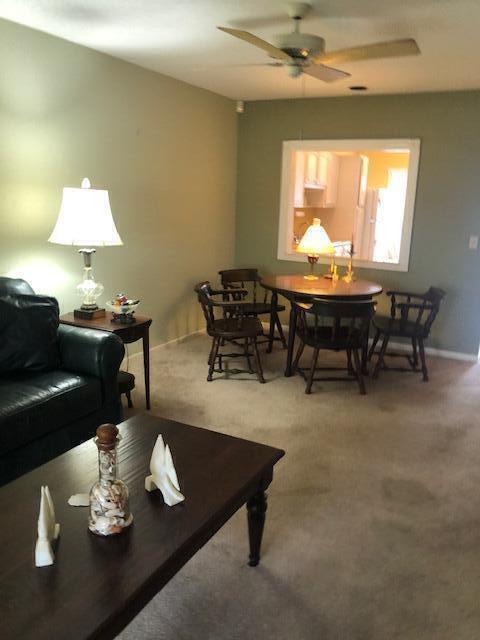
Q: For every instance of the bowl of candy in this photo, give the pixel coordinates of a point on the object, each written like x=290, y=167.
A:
x=122, y=308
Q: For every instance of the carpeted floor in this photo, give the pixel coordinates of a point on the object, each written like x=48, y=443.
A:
x=373, y=526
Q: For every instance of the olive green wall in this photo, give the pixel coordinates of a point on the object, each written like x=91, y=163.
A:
x=447, y=206
x=165, y=150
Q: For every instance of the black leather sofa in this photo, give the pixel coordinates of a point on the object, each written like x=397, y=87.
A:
x=44, y=413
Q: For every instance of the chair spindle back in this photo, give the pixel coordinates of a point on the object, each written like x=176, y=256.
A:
x=231, y=278
x=347, y=321
x=427, y=308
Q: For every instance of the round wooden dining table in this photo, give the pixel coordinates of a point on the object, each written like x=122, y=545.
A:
x=300, y=288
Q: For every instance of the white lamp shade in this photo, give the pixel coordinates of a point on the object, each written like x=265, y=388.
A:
x=315, y=240
x=85, y=218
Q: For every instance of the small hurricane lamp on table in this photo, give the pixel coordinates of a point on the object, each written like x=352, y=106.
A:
x=315, y=243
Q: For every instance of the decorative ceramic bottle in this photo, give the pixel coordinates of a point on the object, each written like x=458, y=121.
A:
x=109, y=510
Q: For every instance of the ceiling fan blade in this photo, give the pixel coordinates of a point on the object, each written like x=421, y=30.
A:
x=392, y=49
x=258, y=42
x=327, y=74
x=255, y=64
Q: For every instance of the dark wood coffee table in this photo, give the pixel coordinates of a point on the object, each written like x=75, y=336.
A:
x=97, y=585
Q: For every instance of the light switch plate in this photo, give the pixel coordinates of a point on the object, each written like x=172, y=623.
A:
x=473, y=243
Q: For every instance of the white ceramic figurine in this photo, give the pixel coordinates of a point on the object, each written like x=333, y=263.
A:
x=164, y=476
x=48, y=530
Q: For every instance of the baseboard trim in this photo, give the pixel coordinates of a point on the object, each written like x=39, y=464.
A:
x=169, y=343
x=400, y=346
x=431, y=351
x=439, y=353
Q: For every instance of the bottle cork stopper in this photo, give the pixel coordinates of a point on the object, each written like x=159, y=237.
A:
x=106, y=437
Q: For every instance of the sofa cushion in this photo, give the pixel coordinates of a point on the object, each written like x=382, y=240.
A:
x=33, y=404
x=28, y=333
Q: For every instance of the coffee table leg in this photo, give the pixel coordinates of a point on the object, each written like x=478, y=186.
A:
x=291, y=340
x=256, y=509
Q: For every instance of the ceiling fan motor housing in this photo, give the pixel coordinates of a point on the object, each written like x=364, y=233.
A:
x=300, y=45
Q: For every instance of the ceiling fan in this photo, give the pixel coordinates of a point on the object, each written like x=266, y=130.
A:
x=305, y=53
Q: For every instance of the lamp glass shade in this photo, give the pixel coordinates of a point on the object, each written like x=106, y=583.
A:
x=85, y=218
x=315, y=241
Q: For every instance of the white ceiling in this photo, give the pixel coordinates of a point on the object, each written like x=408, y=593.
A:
x=179, y=38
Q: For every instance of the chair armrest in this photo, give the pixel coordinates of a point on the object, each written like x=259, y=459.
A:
x=229, y=304
x=92, y=352
x=407, y=294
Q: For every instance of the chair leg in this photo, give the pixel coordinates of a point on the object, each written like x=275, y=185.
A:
x=213, y=357
x=358, y=371
x=422, y=358
x=308, y=388
x=280, y=330
x=415, y=353
x=247, y=355
x=349, y=362
x=300, y=349
x=271, y=332
x=211, y=352
x=129, y=399
x=257, y=361
x=381, y=355
x=374, y=344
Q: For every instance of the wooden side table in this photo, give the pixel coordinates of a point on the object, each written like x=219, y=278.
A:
x=128, y=333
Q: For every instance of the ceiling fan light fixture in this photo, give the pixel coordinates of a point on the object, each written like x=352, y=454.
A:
x=294, y=70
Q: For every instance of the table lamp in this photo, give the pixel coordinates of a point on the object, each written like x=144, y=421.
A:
x=315, y=242
x=85, y=220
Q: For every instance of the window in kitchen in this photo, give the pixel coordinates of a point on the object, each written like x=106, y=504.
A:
x=363, y=191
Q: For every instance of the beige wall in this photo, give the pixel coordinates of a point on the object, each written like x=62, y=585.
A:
x=165, y=150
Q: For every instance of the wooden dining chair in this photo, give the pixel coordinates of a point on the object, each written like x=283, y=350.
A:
x=256, y=304
x=335, y=325
x=233, y=326
x=411, y=316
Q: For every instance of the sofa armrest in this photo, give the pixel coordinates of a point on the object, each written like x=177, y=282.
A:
x=92, y=352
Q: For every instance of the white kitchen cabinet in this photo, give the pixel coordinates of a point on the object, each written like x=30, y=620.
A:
x=331, y=184
x=299, y=188
x=320, y=179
